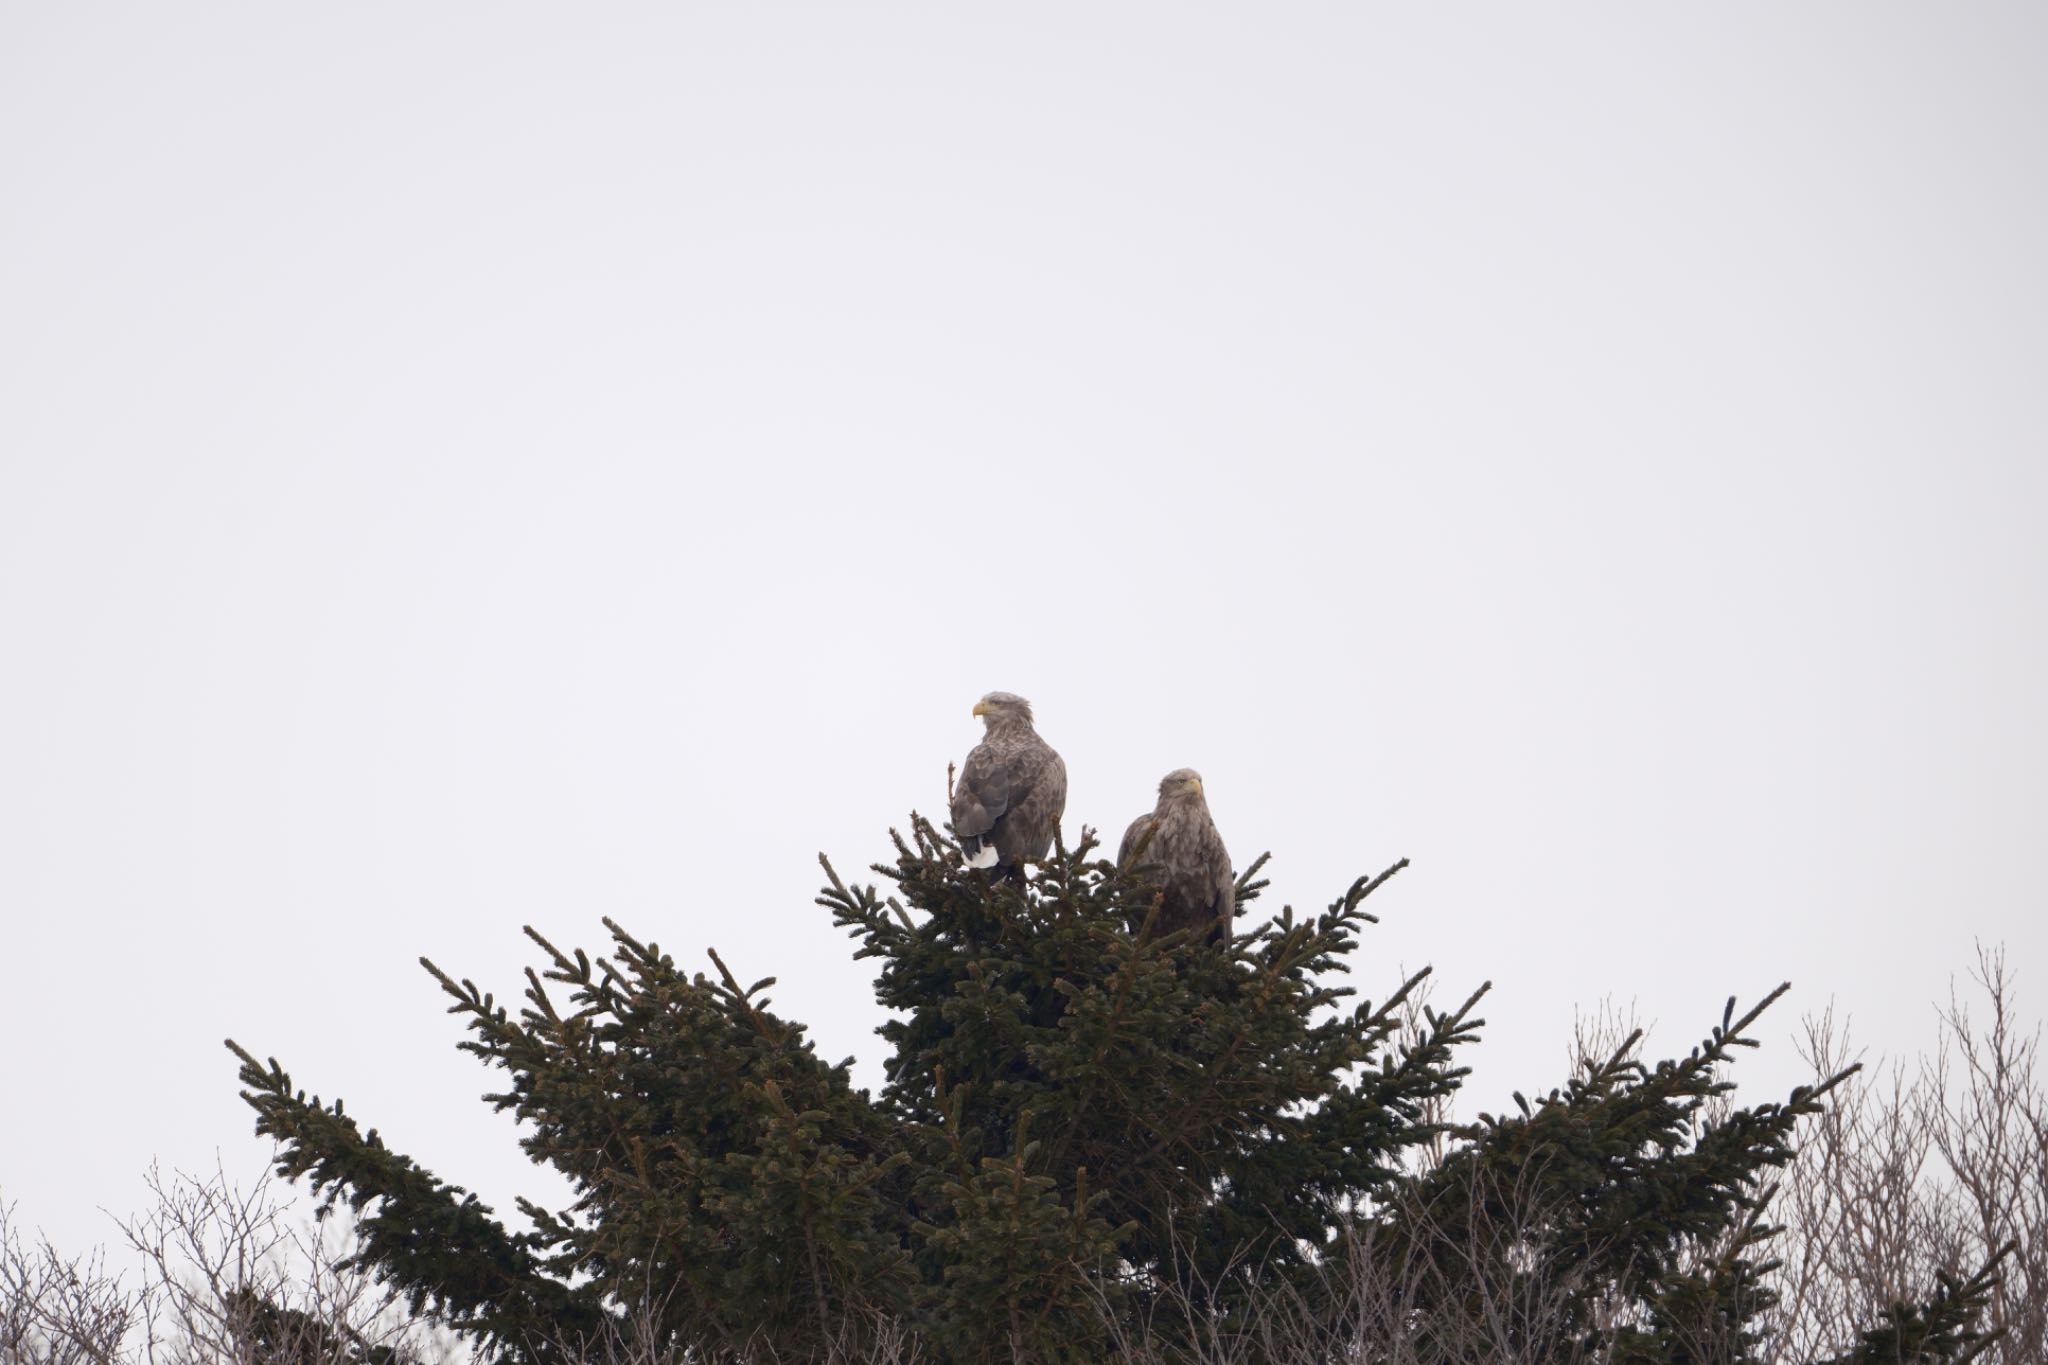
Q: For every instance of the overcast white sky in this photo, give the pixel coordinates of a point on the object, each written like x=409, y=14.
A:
x=472, y=465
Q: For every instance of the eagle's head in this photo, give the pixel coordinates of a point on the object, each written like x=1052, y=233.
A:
x=1180, y=783
x=999, y=707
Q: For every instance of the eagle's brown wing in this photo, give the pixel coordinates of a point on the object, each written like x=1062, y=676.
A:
x=1223, y=885
x=1038, y=797
x=982, y=794
x=1140, y=848
x=1134, y=839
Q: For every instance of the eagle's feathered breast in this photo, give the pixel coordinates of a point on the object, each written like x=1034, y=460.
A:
x=1181, y=857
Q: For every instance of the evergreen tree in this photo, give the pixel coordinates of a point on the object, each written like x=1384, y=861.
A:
x=1086, y=1136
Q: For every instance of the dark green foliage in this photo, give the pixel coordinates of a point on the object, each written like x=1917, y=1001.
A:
x=433, y=1240
x=1086, y=1135
x=1164, y=1069
x=268, y=1334
x=1948, y=1327
x=1621, y=1180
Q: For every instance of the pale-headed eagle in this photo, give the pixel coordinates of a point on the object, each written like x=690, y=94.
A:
x=1012, y=792
x=1180, y=857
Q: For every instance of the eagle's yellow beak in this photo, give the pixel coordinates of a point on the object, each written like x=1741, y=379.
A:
x=981, y=708
x=1195, y=785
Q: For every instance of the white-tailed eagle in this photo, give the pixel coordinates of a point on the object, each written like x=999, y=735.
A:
x=1011, y=793
x=1178, y=855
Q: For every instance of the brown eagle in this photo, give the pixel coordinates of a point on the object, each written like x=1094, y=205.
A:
x=1012, y=790
x=1178, y=854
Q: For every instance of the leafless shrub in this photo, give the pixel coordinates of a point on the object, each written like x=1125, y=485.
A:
x=1917, y=1170
x=637, y=1337
x=1430, y=1287
x=1992, y=1134
x=225, y=1277
x=56, y=1310
x=1435, y=1110
x=1598, y=1034
x=1472, y=1288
